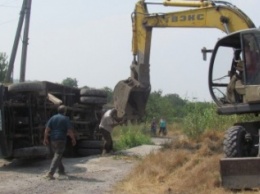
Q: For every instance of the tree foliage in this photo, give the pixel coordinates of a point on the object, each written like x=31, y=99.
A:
x=71, y=82
x=109, y=95
x=3, y=66
x=169, y=107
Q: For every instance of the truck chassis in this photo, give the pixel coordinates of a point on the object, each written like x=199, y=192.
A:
x=26, y=107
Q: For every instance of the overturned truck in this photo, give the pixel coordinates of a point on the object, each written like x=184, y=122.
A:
x=26, y=107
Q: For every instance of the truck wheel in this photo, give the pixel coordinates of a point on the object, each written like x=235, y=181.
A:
x=6, y=136
x=88, y=152
x=235, y=144
x=93, y=92
x=90, y=144
x=93, y=100
x=6, y=146
x=26, y=87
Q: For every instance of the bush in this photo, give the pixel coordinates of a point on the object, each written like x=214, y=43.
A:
x=203, y=116
x=130, y=136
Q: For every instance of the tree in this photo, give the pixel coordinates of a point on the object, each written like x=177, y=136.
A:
x=158, y=106
x=70, y=82
x=3, y=66
x=109, y=94
x=170, y=107
x=178, y=104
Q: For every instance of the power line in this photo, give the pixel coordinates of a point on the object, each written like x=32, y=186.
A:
x=8, y=21
x=7, y=4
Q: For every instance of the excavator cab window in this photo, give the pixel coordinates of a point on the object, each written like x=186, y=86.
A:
x=221, y=72
x=234, y=66
x=251, y=57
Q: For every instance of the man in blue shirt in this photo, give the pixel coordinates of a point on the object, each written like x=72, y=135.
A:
x=163, y=129
x=58, y=127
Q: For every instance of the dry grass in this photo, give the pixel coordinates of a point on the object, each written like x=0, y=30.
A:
x=182, y=167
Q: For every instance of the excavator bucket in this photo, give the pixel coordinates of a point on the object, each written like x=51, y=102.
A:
x=130, y=99
x=240, y=173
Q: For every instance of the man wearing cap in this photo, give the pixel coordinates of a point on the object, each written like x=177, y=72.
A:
x=58, y=127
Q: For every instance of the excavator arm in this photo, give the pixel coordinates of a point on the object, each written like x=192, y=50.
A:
x=131, y=95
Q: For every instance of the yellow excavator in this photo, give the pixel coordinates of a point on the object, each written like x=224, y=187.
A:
x=232, y=79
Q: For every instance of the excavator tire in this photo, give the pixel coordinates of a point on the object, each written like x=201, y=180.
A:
x=235, y=143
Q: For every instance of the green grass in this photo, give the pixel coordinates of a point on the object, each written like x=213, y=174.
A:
x=203, y=117
x=130, y=136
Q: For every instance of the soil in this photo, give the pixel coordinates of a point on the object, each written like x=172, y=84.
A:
x=93, y=174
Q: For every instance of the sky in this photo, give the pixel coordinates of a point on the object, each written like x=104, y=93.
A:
x=91, y=42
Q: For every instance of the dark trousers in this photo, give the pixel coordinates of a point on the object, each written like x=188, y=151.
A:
x=163, y=131
x=108, y=144
x=58, y=148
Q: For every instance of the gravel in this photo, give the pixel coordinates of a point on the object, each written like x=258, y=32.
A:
x=94, y=174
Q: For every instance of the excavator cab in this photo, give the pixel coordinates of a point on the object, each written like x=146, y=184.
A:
x=234, y=73
x=234, y=84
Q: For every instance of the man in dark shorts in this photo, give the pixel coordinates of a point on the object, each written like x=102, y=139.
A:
x=58, y=127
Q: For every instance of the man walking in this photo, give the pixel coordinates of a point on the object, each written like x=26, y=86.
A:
x=59, y=126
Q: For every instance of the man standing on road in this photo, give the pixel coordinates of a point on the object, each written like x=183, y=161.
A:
x=153, y=127
x=59, y=127
x=108, y=121
x=163, y=129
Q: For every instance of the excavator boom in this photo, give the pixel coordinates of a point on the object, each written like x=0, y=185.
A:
x=131, y=95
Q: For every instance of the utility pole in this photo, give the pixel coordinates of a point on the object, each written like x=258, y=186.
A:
x=25, y=40
x=24, y=15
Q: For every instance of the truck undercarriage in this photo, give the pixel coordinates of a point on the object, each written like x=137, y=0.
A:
x=26, y=107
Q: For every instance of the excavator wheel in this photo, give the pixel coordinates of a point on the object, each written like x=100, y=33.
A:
x=238, y=170
x=235, y=144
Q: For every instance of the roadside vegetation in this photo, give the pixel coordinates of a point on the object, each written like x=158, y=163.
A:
x=131, y=136
x=190, y=163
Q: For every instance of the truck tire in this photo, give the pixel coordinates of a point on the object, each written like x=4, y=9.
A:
x=27, y=87
x=93, y=92
x=6, y=136
x=90, y=144
x=88, y=152
x=92, y=100
x=235, y=144
x=6, y=146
